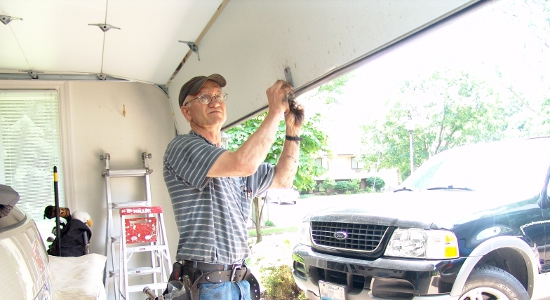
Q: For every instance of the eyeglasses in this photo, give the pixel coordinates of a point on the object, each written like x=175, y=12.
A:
x=206, y=98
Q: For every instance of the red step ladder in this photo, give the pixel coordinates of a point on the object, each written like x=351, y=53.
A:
x=143, y=232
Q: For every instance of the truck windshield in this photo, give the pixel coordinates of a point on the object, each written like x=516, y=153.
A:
x=514, y=167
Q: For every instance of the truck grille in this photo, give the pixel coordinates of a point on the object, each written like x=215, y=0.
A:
x=359, y=237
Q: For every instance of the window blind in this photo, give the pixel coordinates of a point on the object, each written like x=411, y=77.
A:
x=30, y=143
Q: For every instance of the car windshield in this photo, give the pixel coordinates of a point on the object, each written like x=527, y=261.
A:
x=511, y=167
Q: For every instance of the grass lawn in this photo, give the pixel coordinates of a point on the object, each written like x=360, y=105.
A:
x=272, y=230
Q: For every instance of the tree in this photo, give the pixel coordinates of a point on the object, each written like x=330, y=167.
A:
x=314, y=140
x=447, y=110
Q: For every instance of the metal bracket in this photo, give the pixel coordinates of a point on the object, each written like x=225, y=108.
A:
x=193, y=48
x=33, y=74
x=6, y=19
x=104, y=27
x=163, y=88
x=144, y=157
x=288, y=76
x=106, y=157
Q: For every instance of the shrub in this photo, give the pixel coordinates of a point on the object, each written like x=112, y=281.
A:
x=355, y=185
x=328, y=184
x=377, y=182
x=279, y=283
x=271, y=262
x=342, y=186
x=269, y=223
x=348, y=186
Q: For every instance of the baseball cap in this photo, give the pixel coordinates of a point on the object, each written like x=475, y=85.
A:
x=193, y=86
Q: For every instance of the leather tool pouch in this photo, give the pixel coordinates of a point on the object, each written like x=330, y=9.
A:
x=178, y=287
x=177, y=272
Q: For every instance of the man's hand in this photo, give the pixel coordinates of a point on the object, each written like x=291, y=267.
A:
x=294, y=116
x=281, y=96
x=276, y=97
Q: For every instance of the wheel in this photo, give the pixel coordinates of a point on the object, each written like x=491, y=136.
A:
x=491, y=283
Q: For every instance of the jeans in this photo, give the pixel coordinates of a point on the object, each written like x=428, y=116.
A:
x=225, y=291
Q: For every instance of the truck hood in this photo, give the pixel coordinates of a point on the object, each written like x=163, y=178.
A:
x=425, y=209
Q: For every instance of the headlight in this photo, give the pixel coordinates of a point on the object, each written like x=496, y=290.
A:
x=419, y=243
x=304, y=236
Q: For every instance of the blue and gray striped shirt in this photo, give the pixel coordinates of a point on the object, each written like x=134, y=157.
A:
x=211, y=213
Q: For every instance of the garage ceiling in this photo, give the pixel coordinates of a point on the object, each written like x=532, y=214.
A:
x=49, y=37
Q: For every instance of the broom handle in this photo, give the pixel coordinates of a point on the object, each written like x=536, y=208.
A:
x=56, y=194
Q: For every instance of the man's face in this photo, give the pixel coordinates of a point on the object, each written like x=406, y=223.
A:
x=205, y=115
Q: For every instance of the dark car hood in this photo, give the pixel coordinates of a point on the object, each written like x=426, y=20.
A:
x=425, y=209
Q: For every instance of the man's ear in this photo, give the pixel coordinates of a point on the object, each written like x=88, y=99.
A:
x=185, y=112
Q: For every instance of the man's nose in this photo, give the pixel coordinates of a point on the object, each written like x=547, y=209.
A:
x=214, y=102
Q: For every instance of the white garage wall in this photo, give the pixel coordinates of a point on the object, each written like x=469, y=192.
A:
x=93, y=123
x=99, y=126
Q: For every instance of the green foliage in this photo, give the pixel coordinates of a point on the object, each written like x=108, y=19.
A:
x=314, y=140
x=328, y=184
x=305, y=196
x=279, y=283
x=348, y=186
x=271, y=230
x=342, y=186
x=271, y=261
x=376, y=182
x=447, y=110
x=269, y=223
x=334, y=88
x=355, y=185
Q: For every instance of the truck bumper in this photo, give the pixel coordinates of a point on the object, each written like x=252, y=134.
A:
x=375, y=279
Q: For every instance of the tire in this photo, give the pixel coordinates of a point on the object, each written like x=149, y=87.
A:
x=491, y=283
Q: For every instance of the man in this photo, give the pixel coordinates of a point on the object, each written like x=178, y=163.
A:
x=212, y=188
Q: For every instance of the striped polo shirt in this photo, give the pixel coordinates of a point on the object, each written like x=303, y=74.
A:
x=211, y=213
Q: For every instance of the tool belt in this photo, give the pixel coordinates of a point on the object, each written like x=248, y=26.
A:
x=213, y=273
x=193, y=273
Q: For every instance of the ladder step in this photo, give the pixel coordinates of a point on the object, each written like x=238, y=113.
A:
x=118, y=205
x=148, y=248
x=127, y=173
x=138, y=271
x=153, y=286
x=144, y=270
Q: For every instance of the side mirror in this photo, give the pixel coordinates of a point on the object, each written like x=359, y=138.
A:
x=8, y=196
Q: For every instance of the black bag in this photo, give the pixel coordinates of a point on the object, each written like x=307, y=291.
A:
x=74, y=239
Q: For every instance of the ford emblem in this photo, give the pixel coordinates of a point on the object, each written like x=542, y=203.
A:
x=340, y=235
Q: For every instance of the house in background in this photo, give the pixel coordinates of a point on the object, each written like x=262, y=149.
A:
x=344, y=162
x=347, y=166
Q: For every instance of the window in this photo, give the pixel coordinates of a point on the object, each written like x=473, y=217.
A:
x=322, y=162
x=355, y=163
x=30, y=141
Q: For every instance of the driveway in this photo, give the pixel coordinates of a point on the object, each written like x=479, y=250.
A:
x=290, y=215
